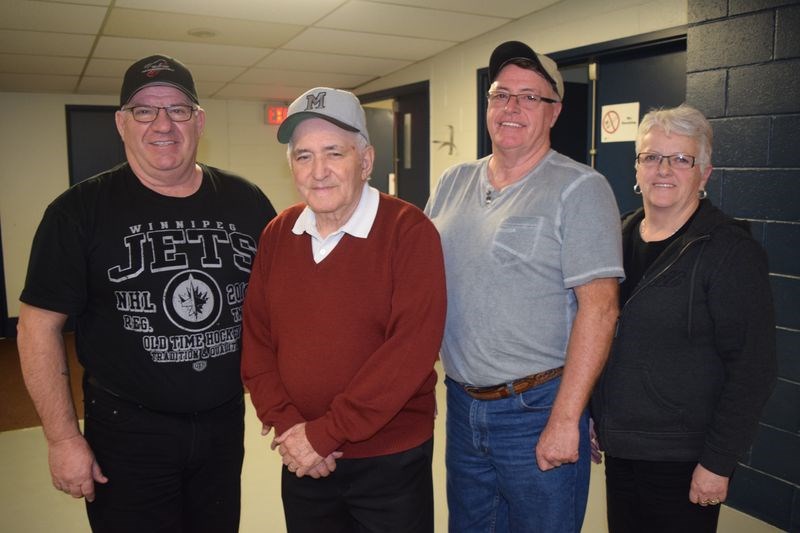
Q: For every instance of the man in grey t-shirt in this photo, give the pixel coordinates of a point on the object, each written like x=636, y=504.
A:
x=533, y=259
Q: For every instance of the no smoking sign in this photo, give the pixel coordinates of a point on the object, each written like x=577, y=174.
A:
x=619, y=122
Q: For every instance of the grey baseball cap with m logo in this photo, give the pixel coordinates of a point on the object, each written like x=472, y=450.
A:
x=334, y=105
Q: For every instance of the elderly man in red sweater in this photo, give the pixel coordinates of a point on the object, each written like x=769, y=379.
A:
x=343, y=320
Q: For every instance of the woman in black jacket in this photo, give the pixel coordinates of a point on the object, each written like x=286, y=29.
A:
x=693, y=361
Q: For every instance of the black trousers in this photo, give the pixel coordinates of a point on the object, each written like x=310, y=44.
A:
x=385, y=494
x=166, y=473
x=653, y=496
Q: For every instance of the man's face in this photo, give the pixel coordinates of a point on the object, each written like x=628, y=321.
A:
x=329, y=170
x=514, y=129
x=162, y=150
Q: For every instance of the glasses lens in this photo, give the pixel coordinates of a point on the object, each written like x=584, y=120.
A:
x=682, y=161
x=144, y=113
x=180, y=113
x=648, y=160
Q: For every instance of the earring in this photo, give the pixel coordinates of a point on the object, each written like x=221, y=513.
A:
x=637, y=189
x=702, y=194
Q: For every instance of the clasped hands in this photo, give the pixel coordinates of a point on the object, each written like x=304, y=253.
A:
x=299, y=456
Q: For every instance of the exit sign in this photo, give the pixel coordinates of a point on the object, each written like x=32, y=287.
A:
x=276, y=114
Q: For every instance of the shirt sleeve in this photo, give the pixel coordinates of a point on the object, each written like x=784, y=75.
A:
x=590, y=229
x=740, y=301
x=259, y=361
x=57, y=270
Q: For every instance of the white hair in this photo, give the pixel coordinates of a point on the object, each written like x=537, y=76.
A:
x=682, y=120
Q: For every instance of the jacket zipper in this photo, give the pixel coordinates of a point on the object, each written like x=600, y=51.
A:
x=642, y=286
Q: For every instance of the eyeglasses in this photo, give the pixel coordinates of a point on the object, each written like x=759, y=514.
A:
x=524, y=100
x=149, y=113
x=676, y=161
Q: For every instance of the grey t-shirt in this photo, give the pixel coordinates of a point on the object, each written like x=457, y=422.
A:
x=512, y=258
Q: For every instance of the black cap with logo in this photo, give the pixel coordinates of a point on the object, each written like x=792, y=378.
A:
x=157, y=70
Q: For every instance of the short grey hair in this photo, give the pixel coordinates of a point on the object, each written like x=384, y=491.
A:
x=681, y=120
x=361, y=143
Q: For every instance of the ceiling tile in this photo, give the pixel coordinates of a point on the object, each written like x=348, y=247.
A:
x=259, y=49
x=46, y=16
x=82, y=2
x=497, y=8
x=367, y=44
x=26, y=64
x=40, y=43
x=203, y=54
x=107, y=68
x=93, y=85
x=410, y=21
x=37, y=83
x=304, y=12
x=327, y=62
x=281, y=93
x=176, y=26
x=302, y=79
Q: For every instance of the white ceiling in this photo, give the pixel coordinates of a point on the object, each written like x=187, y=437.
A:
x=236, y=49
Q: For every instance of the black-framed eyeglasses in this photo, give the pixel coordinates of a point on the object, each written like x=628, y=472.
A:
x=524, y=100
x=677, y=161
x=149, y=113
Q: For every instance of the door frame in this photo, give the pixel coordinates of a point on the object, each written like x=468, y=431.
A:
x=421, y=143
x=6, y=326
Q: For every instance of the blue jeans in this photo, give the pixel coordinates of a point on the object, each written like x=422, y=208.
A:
x=493, y=481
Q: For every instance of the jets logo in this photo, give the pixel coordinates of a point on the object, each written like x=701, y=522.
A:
x=193, y=300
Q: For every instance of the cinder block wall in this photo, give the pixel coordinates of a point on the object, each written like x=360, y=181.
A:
x=743, y=72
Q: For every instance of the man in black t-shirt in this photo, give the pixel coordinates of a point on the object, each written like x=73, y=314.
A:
x=152, y=259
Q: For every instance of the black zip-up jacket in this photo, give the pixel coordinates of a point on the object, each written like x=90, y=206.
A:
x=693, y=360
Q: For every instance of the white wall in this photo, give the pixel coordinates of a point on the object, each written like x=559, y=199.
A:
x=34, y=165
x=567, y=24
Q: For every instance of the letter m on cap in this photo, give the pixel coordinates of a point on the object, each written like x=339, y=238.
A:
x=315, y=101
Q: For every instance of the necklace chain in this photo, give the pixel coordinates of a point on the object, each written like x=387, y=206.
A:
x=642, y=229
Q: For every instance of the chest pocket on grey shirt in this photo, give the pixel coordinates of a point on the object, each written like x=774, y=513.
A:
x=515, y=239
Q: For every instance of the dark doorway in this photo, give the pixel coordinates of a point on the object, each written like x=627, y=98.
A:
x=5, y=327
x=411, y=139
x=654, y=77
x=93, y=143
x=649, y=69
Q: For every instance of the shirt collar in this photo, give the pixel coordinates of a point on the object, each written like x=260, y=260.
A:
x=358, y=225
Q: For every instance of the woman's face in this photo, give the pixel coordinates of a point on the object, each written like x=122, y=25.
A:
x=664, y=186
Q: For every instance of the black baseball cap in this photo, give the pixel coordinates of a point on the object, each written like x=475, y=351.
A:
x=545, y=66
x=157, y=70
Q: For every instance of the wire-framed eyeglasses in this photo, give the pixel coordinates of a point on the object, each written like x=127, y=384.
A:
x=524, y=100
x=677, y=161
x=149, y=113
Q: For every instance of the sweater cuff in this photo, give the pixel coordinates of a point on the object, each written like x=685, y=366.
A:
x=720, y=464
x=320, y=439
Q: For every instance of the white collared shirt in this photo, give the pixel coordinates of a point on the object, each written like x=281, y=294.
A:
x=358, y=225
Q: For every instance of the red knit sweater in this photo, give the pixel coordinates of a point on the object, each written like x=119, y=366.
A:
x=347, y=345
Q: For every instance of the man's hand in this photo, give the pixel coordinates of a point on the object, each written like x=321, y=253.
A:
x=707, y=488
x=73, y=467
x=297, y=453
x=558, y=444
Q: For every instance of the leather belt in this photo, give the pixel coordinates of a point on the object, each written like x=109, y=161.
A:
x=504, y=390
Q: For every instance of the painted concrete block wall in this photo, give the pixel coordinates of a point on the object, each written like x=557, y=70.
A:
x=743, y=62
